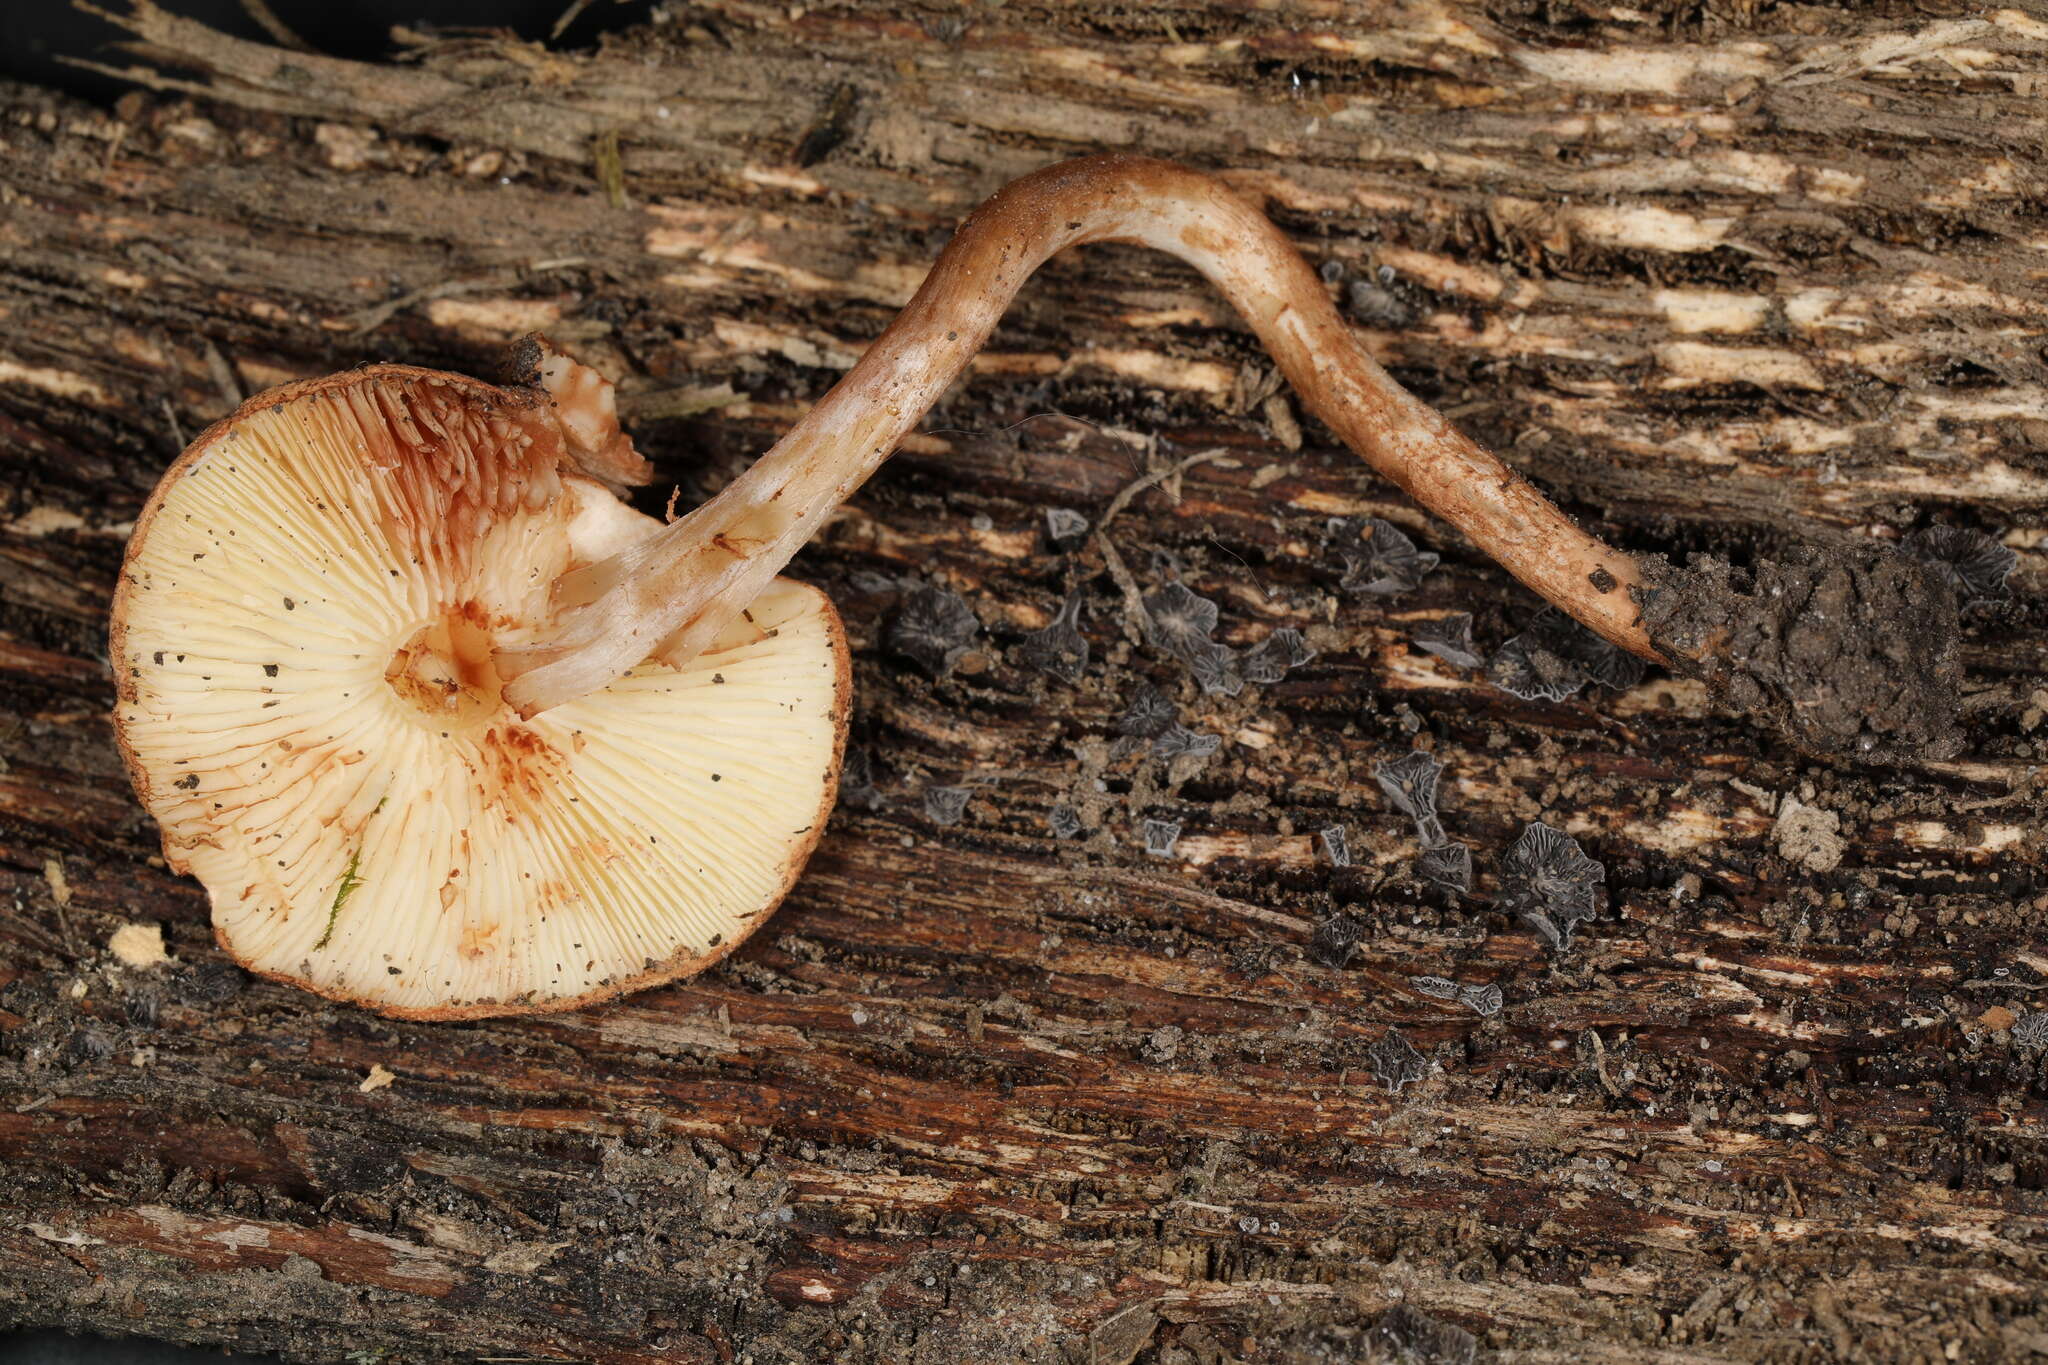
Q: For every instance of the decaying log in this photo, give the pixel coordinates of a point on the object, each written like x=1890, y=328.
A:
x=1709, y=273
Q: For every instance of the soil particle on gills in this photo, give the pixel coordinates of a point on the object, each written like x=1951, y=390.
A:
x=1848, y=651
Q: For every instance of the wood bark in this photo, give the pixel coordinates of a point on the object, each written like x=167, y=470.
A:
x=1713, y=274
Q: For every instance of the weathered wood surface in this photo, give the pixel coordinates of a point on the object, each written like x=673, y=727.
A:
x=1708, y=272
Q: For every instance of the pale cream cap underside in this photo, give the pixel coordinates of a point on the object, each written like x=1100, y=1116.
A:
x=460, y=862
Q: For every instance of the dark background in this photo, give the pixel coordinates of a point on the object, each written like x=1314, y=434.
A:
x=35, y=37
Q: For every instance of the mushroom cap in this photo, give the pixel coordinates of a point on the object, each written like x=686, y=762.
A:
x=302, y=640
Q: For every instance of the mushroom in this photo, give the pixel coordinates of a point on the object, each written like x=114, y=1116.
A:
x=448, y=730
x=303, y=636
x=1844, y=650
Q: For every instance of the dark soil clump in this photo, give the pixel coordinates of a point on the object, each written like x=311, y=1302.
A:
x=1845, y=650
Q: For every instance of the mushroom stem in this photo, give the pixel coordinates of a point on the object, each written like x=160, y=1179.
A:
x=671, y=594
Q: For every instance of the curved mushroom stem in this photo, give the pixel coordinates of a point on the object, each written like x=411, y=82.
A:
x=668, y=596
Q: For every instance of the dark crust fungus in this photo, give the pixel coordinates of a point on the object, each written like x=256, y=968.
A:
x=1847, y=650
